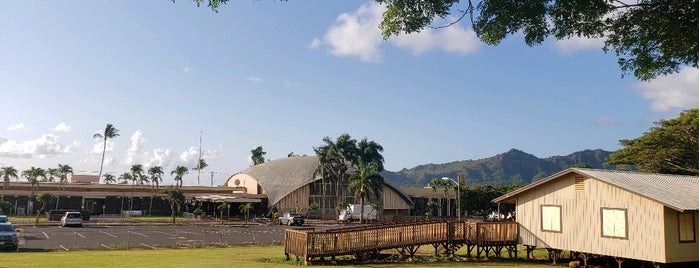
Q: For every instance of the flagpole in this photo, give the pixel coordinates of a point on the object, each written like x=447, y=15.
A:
x=199, y=162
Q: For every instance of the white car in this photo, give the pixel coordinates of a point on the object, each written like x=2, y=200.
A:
x=72, y=218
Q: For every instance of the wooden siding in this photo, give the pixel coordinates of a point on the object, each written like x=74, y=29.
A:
x=581, y=228
x=392, y=201
x=676, y=251
x=295, y=200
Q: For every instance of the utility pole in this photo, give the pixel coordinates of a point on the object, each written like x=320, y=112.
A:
x=199, y=162
x=459, y=182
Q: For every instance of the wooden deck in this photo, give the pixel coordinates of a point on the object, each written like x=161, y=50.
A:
x=366, y=241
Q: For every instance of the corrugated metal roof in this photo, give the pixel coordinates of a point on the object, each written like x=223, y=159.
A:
x=678, y=192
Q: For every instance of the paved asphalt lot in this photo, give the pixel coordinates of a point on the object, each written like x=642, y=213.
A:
x=38, y=238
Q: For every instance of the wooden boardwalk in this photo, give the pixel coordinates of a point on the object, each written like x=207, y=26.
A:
x=365, y=242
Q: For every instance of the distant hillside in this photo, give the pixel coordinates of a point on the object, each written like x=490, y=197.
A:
x=513, y=166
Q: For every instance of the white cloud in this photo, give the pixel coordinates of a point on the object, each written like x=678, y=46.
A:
x=673, y=91
x=136, y=155
x=137, y=140
x=253, y=79
x=62, y=127
x=45, y=146
x=190, y=157
x=185, y=69
x=357, y=34
x=573, y=44
x=17, y=126
x=453, y=39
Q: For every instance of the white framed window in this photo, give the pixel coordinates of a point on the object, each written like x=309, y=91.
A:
x=686, y=225
x=551, y=218
x=614, y=223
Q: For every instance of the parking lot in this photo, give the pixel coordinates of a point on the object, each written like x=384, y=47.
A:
x=36, y=238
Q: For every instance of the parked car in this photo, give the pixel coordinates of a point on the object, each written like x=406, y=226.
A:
x=291, y=219
x=72, y=218
x=8, y=237
x=3, y=219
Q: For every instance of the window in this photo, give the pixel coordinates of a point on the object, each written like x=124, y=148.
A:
x=551, y=218
x=686, y=227
x=614, y=222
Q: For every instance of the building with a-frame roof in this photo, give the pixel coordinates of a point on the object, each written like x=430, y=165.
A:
x=622, y=214
x=292, y=184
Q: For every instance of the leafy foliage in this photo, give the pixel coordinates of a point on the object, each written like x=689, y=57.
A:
x=672, y=146
x=258, y=156
x=649, y=37
x=176, y=198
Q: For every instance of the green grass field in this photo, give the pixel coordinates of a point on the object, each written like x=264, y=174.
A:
x=238, y=256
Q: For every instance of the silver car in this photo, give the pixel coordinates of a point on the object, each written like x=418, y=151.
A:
x=8, y=237
x=72, y=218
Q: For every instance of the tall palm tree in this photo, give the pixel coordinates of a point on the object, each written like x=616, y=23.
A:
x=7, y=173
x=201, y=165
x=258, y=156
x=366, y=183
x=136, y=177
x=63, y=171
x=179, y=172
x=436, y=183
x=370, y=151
x=109, y=178
x=156, y=175
x=52, y=173
x=335, y=158
x=110, y=132
x=33, y=175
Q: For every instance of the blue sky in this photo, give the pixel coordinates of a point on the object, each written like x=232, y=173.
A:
x=283, y=75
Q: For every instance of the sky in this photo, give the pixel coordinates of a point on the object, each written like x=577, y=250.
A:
x=284, y=75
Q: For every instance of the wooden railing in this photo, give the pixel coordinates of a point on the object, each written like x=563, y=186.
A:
x=374, y=238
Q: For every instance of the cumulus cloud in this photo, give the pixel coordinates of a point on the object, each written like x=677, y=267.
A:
x=136, y=154
x=45, y=146
x=190, y=157
x=357, y=34
x=574, y=44
x=62, y=127
x=674, y=91
x=17, y=126
x=137, y=140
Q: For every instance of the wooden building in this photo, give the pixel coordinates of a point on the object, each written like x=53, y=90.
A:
x=291, y=184
x=622, y=214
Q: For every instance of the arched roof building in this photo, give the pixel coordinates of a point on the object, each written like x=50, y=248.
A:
x=291, y=184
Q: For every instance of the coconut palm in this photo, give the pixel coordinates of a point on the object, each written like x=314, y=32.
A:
x=110, y=132
x=109, y=178
x=7, y=173
x=179, y=172
x=136, y=177
x=258, y=156
x=63, y=171
x=245, y=209
x=125, y=177
x=436, y=183
x=175, y=197
x=366, y=183
x=51, y=173
x=33, y=175
x=370, y=151
x=335, y=158
x=156, y=175
x=201, y=165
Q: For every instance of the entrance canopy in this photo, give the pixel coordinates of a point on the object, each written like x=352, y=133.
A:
x=227, y=198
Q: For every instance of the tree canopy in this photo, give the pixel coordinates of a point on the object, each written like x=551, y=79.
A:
x=649, y=37
x=671, y=146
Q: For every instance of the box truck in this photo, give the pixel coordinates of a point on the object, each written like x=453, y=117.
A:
x=353, y=211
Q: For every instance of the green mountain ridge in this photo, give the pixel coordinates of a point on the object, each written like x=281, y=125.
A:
x=511, y=167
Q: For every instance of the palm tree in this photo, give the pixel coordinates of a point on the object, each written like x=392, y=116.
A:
x=366, y=183
x=32, y=175
x=175, y=197
x=179, y=172
x=201, y=165
x=109, y=178
x=7, y=173
x=245, y=209
x=258, y=156
x=45, y=200
x=447, y=184
x=221, y=207
x=52, y=173
x=125, y=177
x=136, y=176
x=110, y=132
x=434, y=184
x=156, y=175
x=335, y=158
x=370, y=151
x=63, y=171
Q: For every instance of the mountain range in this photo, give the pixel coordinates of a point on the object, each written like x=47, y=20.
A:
x=511, y=167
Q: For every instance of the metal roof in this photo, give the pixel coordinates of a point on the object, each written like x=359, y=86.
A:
x=282, y=176
x=679, y=192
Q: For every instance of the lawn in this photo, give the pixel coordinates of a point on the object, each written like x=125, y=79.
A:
x=238, y=256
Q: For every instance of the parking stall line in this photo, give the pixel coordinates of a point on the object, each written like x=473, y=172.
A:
x=105, y=246
x=64, y=248
x=148, y=246
x=109, y=234
x=80, y=235
x=138, y=234
x=46, y=235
